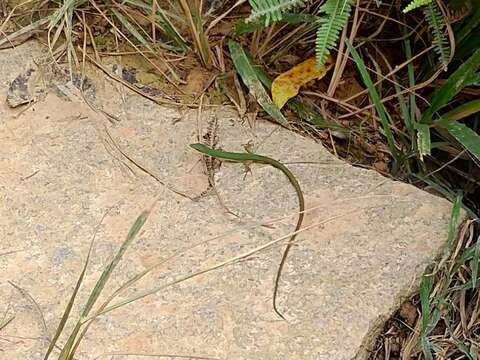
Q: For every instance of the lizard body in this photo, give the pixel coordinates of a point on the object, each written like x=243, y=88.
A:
x=247, y=158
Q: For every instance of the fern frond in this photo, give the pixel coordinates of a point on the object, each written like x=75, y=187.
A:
x=436, y=23
x=337, y=13
x=271, y=10
x=416, y=4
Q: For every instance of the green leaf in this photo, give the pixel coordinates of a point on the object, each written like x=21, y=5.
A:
x=473, y=80
x=248, y=74
x=271, y=10
x=467, y=47
x=462, y=111
x=243, y=27
x=423, y=139
x=292, y=18
x=455, y=83
x=414, y=4
x=437, y=24
x=469, y=25
x=337, y=13
x=464, y=135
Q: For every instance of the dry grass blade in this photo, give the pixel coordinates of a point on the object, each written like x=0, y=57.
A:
x=192, y=12
x=112, y=355
x=4, y=323
x=233, y=260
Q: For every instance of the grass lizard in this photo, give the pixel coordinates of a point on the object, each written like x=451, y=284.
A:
x=254, y=158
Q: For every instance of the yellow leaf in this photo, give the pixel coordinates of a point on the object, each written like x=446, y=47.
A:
x=286, y=85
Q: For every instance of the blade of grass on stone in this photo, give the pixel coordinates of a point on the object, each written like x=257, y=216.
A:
x=384, y=118
x=6, y=322
x=250, y=79
x=101, y=282
x=70, y=303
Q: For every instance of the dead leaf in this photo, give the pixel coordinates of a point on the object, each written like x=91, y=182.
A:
x=286, y=85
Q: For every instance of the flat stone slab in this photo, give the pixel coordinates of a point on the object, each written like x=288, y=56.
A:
x=63, y=166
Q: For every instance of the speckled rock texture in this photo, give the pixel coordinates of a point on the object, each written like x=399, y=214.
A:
x=64, y=165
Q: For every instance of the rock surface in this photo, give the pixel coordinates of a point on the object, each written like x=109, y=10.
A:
x=63, y=166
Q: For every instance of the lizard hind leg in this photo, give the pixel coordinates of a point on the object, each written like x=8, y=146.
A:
x=249, y=147
x=247, y=169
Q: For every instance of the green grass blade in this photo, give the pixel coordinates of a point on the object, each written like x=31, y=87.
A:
x=375, y=98
x=67, y=311
x=474, y=262
x=425, y=288
x=101, y=282
x=455, y=214
x=249, y=77
x=134, y=230
x=454, y=84
x=452, y=228
x=410, y=120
